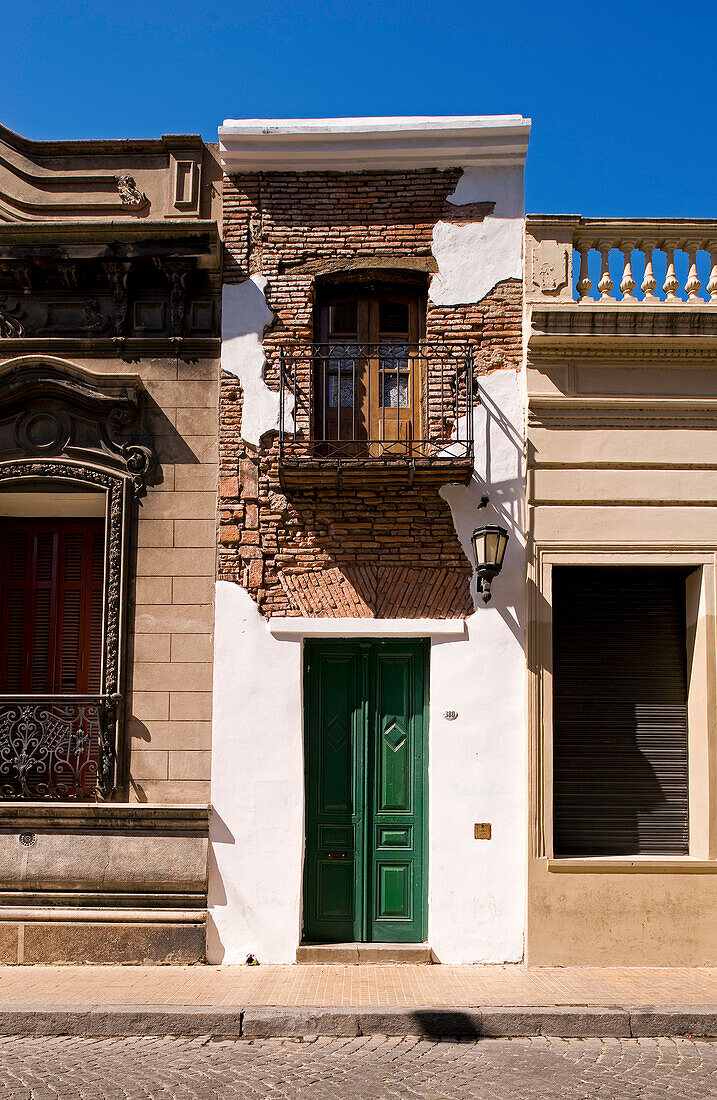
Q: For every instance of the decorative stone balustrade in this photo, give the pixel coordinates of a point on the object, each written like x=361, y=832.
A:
x=621, y=262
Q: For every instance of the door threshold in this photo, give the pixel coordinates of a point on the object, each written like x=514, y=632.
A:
x=377, y=954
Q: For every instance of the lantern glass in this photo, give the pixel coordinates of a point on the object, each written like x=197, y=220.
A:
x=479, y=547
x=489, y=545
x=501, y=547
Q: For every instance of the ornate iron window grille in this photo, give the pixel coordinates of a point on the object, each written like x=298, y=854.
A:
x=57, y=746
x=384, y=401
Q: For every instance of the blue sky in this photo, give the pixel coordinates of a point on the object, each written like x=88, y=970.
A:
x=622, y=95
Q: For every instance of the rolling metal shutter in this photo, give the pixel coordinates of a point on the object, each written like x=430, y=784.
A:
x=619, y=711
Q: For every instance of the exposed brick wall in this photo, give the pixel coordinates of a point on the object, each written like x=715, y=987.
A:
x=351, y=552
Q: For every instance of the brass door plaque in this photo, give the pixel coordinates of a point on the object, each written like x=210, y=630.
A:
x=482, y=831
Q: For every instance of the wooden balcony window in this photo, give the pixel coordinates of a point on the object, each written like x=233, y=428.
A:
x=371, y=398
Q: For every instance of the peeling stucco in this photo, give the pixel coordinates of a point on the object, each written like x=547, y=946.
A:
x=245, y=317
x=472, y=258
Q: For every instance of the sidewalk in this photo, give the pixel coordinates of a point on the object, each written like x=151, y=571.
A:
x=258, y=1001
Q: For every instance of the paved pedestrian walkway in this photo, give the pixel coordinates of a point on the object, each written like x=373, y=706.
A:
x=356, y=986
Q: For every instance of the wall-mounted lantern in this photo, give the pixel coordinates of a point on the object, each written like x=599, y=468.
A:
x=489, y=545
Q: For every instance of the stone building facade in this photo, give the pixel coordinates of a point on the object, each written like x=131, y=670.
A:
x=110, y=274
x=370, y=402
x=620, y=375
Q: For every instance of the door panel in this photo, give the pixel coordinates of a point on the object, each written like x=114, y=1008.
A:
x=365, y=774
x=396, y=752
x=333, y=785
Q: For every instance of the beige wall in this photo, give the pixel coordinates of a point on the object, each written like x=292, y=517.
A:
x=622, y=453
x=171, y=610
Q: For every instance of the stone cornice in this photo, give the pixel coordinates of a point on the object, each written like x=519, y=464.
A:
x=104, y=817
x=615, y=352
x=111, y=239
x=357, y=144
x=99, y=146
x=130, y=348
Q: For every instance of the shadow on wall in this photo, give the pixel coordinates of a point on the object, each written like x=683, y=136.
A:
x=367, y=554
x=219, y=833
x=499, y=475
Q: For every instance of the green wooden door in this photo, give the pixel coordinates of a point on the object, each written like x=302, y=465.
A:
x=366, y=722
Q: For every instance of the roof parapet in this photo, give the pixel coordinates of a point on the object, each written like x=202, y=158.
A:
x=356, y=144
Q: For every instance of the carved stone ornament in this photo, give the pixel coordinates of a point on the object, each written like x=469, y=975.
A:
x=10, y=325
x=177, y=273
x=129, y=193
x=52, y=409
x=118, y=274
x=550, y=267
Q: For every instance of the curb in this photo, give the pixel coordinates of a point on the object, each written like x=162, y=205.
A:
x=259, y=1022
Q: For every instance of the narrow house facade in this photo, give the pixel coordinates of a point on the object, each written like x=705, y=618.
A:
x=368, y=750
x=109, y=340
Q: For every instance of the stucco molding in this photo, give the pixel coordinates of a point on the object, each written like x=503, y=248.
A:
x=297, y=628
x=355, y=144
x=679, y=865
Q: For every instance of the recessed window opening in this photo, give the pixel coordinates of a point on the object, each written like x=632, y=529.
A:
x=367, y=367
x=620, y=687
x=53, y=710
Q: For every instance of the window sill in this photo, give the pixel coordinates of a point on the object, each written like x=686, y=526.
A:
x=631, y=865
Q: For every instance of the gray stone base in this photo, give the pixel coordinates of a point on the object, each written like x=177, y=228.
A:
x=77, y=941
x=573, y=1021
x=379, y=954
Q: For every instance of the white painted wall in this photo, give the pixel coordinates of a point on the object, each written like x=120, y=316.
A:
x=476, y=899
x=257, y=821
x=473, y=257
x=245, y=317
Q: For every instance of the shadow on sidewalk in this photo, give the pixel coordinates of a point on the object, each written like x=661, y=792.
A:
x=446, y=1023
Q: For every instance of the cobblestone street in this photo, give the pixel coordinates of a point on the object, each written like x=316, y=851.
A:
x=349, y=1069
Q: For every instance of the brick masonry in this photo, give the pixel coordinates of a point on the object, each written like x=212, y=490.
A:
x=367, y=551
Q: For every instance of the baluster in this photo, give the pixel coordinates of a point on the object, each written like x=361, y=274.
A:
x=692, y=283
x=712, y=284
x=671, y=285
x=649, y=282
x=605, y=284
x=627, y=283
x=584, y=286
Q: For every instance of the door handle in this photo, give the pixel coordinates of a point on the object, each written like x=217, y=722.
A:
x=338, y=855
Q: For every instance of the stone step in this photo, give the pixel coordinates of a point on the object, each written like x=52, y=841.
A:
x=378, y=954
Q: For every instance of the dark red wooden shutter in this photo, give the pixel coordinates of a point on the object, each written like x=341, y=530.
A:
x=52, y=603
x=619, y=711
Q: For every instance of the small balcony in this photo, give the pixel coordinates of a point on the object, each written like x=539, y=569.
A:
x=57, y=746
x=621, y=278
x=383, y=414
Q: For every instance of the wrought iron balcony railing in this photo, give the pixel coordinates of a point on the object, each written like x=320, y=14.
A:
x=378, y=404
x=57, y=746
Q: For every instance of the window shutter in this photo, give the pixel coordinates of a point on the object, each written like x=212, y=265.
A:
x=619, y=711
x=15, y=596
x=52, y=606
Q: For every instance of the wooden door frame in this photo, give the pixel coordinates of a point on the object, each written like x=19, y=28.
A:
x=367, y=292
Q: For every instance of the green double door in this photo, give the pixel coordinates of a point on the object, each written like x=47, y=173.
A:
x=366, y=719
